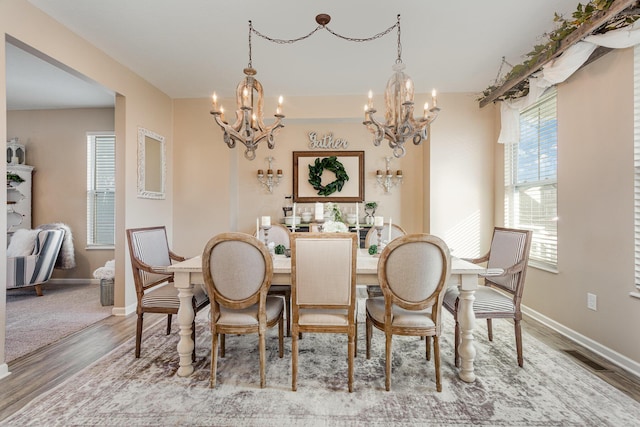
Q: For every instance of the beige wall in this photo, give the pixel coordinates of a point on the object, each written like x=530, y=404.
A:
x=595, y=209
x=137, y=104
x=56, y=144
x=221, y=192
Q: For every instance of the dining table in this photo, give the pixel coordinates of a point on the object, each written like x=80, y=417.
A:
x=464, y=274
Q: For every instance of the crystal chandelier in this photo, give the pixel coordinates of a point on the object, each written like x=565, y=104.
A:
x=249, y=128
x=400, y=124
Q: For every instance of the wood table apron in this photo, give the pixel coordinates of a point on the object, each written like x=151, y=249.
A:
x=463, y=274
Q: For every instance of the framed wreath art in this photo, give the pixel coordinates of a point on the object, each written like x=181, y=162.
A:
x=328, y=176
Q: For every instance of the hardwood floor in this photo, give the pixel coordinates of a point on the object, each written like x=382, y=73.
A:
x=42, y=370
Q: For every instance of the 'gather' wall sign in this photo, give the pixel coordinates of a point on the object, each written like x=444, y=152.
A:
x=327, y=142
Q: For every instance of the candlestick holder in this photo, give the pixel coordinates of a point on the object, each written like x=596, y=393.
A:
x=379, y=232
x=320, y=223
x=265, y=229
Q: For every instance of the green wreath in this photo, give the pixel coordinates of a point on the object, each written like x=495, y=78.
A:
x=331, y=164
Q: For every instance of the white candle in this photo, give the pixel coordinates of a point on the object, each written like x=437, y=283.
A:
x=266, y=221
x=293, y=222
x=319, y=211
x=258, y=228
x=390, y=222
x=378, y=221
x=357, y=218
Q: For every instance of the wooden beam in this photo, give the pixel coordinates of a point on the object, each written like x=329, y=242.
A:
x=597, y=20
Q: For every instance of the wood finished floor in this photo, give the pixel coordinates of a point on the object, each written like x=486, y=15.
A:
x=42, y=370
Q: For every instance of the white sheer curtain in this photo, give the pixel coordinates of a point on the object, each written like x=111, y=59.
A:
x=558, y=71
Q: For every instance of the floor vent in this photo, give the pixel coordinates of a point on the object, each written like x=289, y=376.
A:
x=584, y=359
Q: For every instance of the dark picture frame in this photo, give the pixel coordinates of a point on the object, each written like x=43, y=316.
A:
x=353, y=189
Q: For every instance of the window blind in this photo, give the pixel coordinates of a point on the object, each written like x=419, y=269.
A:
x=531, y=180
x=101, y=190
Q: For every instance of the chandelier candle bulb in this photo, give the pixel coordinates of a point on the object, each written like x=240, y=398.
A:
x=433, y=98
x=399, y=173
x=280, y=174
x=279, y=108
x=370, y=102
x=378, y=221
x=215, y=102
x=266, y=221
x=426, y=109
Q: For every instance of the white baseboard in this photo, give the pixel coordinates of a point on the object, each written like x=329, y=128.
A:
x=4, y=370
x=124, y=311
x=612, y=356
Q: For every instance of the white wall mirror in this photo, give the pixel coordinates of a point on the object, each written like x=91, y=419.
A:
x=151, y=165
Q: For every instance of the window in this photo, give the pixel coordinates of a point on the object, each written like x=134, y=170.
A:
x=531, y=180
x=101, y=177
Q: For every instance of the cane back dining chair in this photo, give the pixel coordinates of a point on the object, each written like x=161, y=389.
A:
x=372, y=239
x=413, y=271
x=237, y=270
x=279, y=234
x=504, y=283
x=323, y=290
x=150, y=257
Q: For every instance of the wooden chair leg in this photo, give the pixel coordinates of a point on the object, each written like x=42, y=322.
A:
x=214, y=359
x=387, y=379
x=287, y=302
x=490, y=329
x=139, y=335
x=436, y=355
x=456, y=339
x=168, y=324
x=355, y=354
x=427, y=345
x=193, y=338
x=294, y=358
x=38, y=290
x=281, y=338
x=222, y=345
x=368, y=338
x=519, y=342
x=352, y=351
x=263, y=359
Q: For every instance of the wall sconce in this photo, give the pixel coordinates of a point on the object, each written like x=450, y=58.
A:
x=387, y=179
x=270, y=180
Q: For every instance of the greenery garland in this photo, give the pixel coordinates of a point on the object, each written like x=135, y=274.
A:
x=331, y=164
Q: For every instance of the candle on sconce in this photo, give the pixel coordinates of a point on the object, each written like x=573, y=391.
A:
x=269, y=171
x=378, y=221
x=433, y=98
x=388, y=172
x=279, y=173
x=399, y=173
x=378, y=172
x=260, y=172
x=390, y=222
x=319, y=211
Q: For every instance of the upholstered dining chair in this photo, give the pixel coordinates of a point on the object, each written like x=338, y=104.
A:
x=237, y=270
x=279, y=234
x=413, y=271
x=372, y=239
x=504, y=283
x=150, y=256
x=323, y=290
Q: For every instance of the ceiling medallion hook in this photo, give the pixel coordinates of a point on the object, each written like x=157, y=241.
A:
x=323, y=19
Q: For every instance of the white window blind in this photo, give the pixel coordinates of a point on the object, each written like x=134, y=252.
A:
x=531, y=180
x=636, y=156
x=101, y=175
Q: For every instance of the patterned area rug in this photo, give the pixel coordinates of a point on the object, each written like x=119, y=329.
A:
x=551, y=389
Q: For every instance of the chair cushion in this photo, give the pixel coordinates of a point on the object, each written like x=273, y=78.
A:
x=323, y=317
x=487, y=301
x=401, y=317
x=166, y=296
x=249, y=316
x=22, y=242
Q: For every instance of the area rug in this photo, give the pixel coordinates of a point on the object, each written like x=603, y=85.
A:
x=551, y=389
x=34, y=322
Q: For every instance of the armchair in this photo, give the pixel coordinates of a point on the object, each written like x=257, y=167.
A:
x=35, y=269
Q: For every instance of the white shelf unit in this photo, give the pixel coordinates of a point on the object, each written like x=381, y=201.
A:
x=19, y=198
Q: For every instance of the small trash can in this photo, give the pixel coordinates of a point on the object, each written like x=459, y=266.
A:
x=106, y=292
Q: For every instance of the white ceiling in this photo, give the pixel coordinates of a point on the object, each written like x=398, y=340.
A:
x=190, y=48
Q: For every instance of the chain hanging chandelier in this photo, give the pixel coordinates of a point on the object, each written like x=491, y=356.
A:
x=400, y=124
x=249, y=127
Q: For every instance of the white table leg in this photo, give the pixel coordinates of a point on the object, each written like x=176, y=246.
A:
x=185, y=319
x=466, y=319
